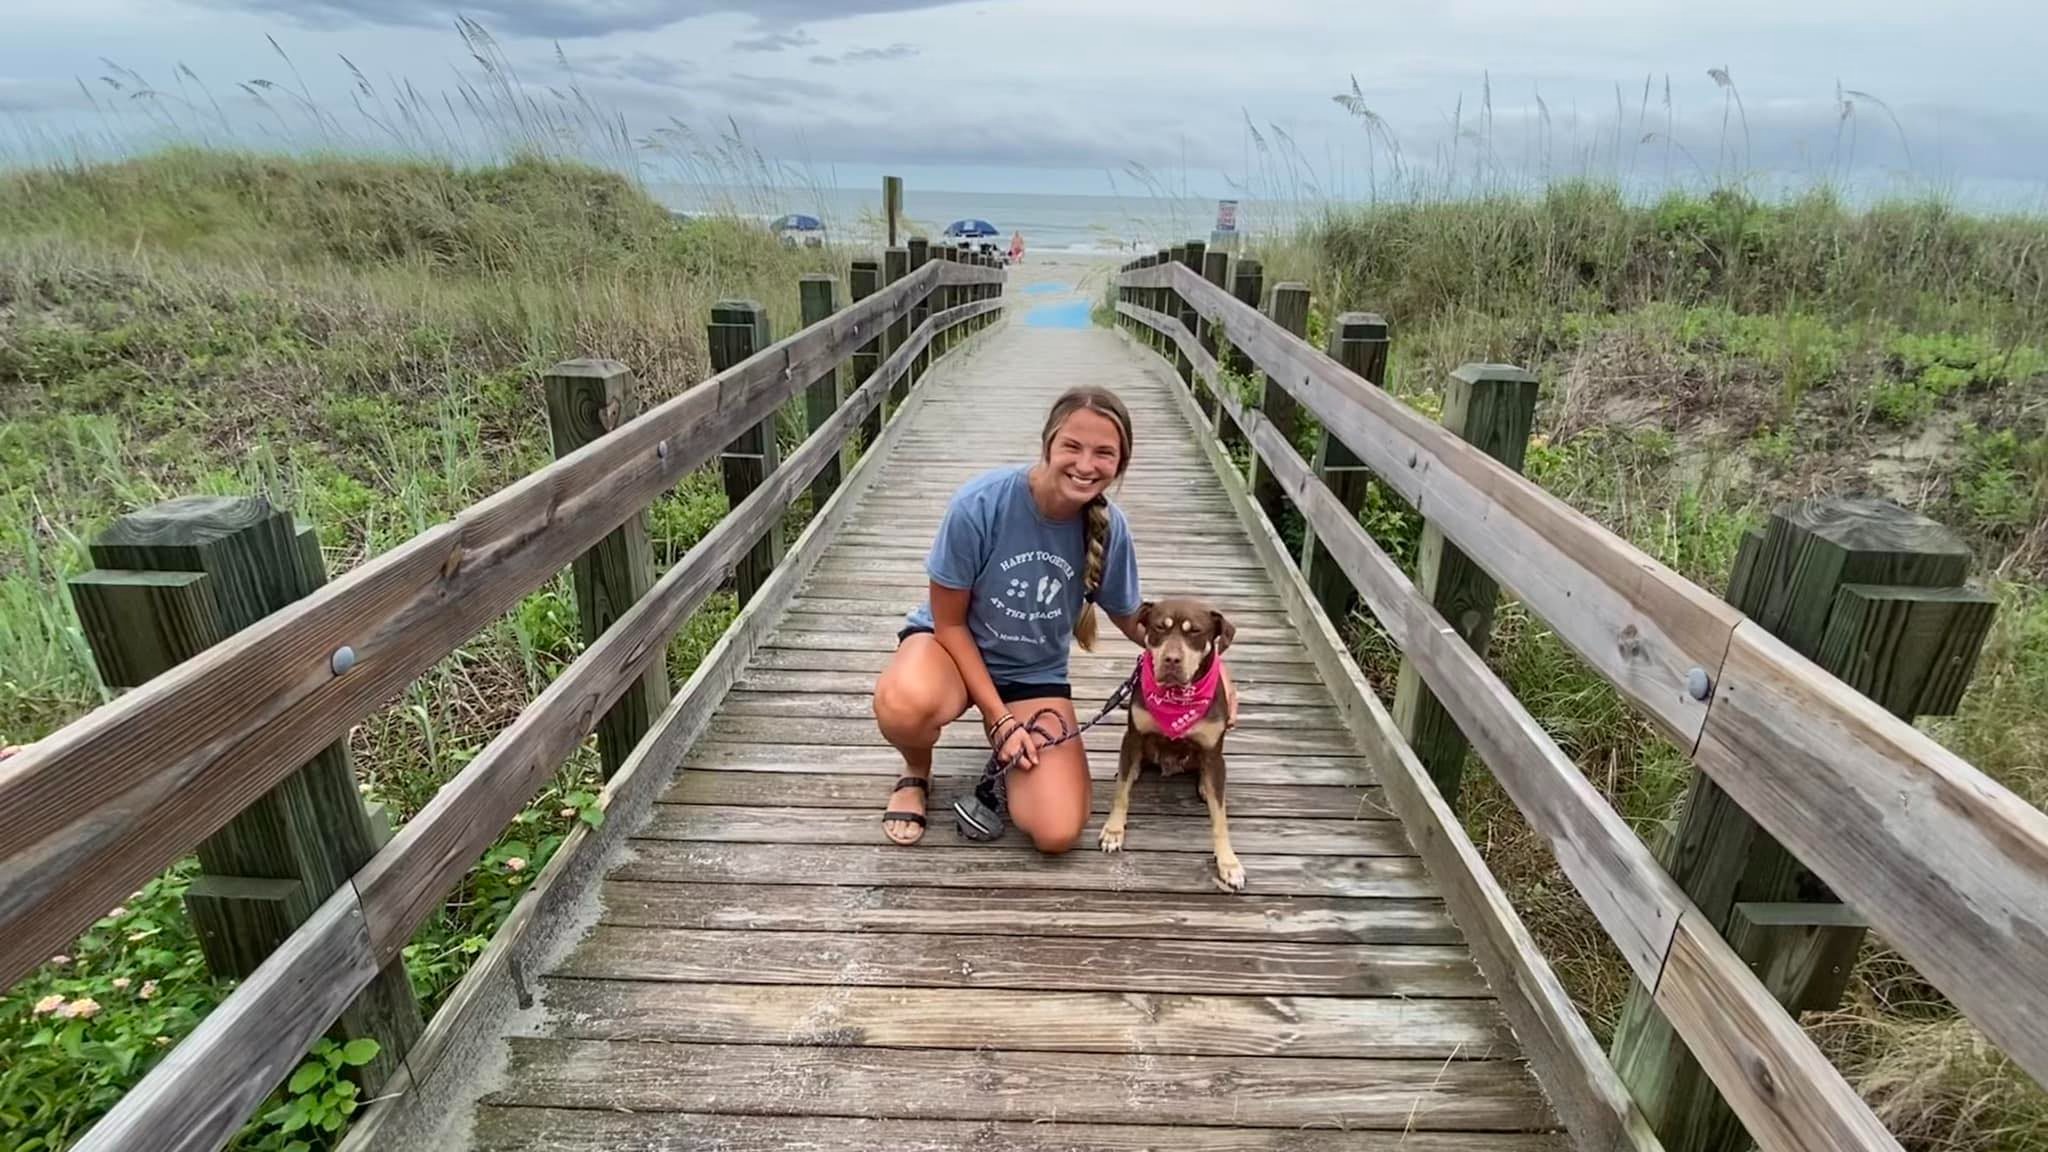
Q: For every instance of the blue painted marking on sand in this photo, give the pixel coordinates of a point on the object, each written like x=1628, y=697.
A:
x=1073, y=314
x=1046, y=288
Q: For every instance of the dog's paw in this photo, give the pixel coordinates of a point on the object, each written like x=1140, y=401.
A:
x=1111, y=840
x=1229, y=873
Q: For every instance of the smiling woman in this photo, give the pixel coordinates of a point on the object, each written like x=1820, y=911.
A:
x=1021, y=559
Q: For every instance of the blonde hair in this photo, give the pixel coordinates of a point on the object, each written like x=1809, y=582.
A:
x=1091, y=399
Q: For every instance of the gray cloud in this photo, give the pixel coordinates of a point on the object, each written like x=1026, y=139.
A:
x=564, y=18
x=896, y=51
x=824, y=61
x=774, y=41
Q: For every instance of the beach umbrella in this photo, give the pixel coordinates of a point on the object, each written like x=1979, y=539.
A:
x=798, y=222
x=970, y=228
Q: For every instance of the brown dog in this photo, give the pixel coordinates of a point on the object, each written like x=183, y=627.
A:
x=1178, y=718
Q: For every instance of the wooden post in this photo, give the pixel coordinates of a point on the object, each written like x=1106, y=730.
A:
x=1216, y=270
x=738, y=329
x=1248, y=284
x=863, y=281
x=174, y=580
x=587, y=399
x=1358, y=341
x=1161, y=302
x=948, y=298
x=1178, y=309
x=920, y=252
x=818, y=293
x=892, y=204
x=1873, y=594
x=1491, y=407
x=895, y=266
x=1290, y=312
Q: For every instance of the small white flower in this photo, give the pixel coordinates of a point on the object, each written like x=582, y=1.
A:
x=515, y=864
x=121, y=983
x=47, y=1005
x=83, y=1008
x=60, y=960
x=568, y=813
x=147, y=990
x=117, y=912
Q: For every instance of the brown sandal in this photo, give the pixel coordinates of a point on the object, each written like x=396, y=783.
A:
x=922, y=784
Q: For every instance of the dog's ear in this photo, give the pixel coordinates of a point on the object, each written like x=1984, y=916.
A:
x=1226, y=632
x=1145, y=614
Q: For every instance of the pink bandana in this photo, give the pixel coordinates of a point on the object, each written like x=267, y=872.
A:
x=1178, y=709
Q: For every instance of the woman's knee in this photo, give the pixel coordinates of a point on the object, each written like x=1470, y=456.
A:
x=1057, y=836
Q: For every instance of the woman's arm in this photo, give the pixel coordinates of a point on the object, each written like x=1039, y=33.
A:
x=1131, y=626
x=949, y=628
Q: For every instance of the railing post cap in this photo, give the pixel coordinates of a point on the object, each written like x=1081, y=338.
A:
x=816, y=277
x=1290, y=287
x=592, y=367
x=1870, y=524
x=1499, y=373
x=187, y=520
x=1361, y=326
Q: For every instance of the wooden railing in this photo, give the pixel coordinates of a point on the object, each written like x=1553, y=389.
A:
x=123, y=792
x=1948, y=865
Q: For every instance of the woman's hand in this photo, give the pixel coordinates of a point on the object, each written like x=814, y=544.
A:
x=1016, y=745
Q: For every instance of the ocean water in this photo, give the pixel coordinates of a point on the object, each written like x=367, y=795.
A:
x=1047, y=222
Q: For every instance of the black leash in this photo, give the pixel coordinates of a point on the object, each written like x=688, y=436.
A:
x=981, y=813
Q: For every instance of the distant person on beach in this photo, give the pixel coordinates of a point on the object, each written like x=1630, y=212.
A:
x=1016, y=247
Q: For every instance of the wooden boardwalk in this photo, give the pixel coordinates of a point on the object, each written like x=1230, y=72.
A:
x=767, y=973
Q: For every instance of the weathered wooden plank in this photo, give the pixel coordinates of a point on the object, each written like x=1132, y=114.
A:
x=903, y=592
x=115, y=796
x=1640, y=624
x=1025, y=912
x=1587, y=1093
x=1007, y=866
x=1464, y=1095
x=884, y=623
x=1289, y=768
x=721, y=823
x=843, y=733
x=1089, y=689
x=197, y=1098
x=1152, y=795
x=501, y=1129
x=1950, y=868
x=849, y=608
x=1034, y=1021
x=1064, y=963
x=851, y=706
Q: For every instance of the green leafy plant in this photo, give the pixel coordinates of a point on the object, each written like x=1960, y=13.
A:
x=317, y=1100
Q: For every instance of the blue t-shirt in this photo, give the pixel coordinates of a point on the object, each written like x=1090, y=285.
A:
x=1025, y=573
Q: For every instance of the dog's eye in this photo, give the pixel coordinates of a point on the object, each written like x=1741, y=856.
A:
x=1187, y=626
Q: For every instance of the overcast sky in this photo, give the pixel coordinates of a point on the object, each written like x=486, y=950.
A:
x=1065, y=95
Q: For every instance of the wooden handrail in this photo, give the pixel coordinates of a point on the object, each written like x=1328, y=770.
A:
x=1786, y=1092
x=208, y=1086
x=1946, y=863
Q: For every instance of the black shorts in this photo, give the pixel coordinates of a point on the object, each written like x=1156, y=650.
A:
x=1008, y=691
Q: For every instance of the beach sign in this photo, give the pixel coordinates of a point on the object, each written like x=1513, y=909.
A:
x=1226, y=216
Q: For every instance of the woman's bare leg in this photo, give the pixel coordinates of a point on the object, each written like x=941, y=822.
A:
x=1050, y=802
x=917, y=695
